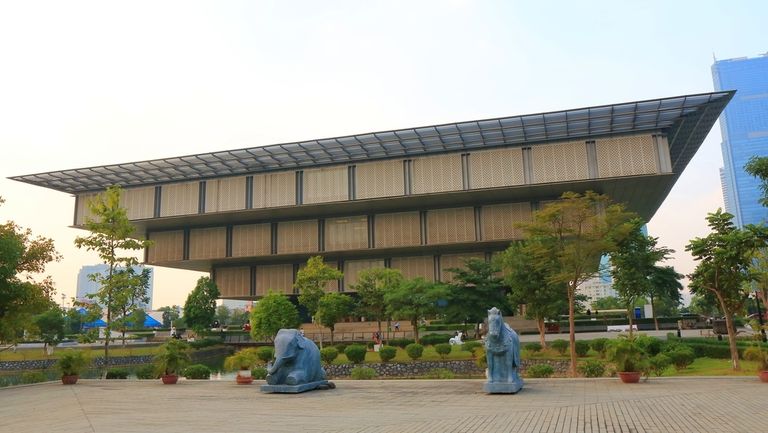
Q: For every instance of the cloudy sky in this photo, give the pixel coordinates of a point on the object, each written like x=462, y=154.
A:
x=93, y=83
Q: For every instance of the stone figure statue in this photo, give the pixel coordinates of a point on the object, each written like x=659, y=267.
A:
x=297, y=365
x=502, y=351
x=456, y=340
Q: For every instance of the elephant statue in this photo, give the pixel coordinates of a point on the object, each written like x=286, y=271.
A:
x=502, y=351
x=297, y=360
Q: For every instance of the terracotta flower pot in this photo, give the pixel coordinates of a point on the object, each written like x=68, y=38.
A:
x=763, y=375
x=243, y=379
x=629, y=376
x=69, y=379
x=170, y=379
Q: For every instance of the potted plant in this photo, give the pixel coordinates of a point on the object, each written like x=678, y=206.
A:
x=629, y=357
x=71, y=362
x=173, y=357
x=242, y=361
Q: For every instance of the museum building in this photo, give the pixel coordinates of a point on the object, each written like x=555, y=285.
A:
x=420, y=200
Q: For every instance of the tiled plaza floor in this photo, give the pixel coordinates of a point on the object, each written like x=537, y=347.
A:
x=545, y=405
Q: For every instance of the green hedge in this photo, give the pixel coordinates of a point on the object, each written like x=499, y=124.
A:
x=432, y=339
x=117, y=373
x=197, y=371
x=401, y=342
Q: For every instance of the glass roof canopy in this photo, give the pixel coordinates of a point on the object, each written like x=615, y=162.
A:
x=685, y=119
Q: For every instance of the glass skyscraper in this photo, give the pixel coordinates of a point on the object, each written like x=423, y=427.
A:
x=744, y=127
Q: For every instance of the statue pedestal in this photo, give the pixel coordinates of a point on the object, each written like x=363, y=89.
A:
x=503, y=387
x=295, y=389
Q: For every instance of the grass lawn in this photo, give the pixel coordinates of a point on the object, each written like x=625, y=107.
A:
x=428, y=355
x=31, y=354
x=714, y=367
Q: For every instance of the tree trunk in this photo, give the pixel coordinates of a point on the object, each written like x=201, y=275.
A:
x=381, y=336
x=653, y=312
x=630, y=316
x=415, y=324
x=542, y=331
x=731, y=334
x=332, y=335
x=572, y=329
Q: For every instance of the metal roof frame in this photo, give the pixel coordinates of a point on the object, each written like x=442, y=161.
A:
x=686, y=119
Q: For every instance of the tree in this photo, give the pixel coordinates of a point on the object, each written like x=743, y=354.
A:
x=414, y=299
x=200, y=307
x=110, y=238
x=529, y=286
x=239, y=317
x=372, y=284
x=474, y=290
x=137, y=319
x=271, y=314
x=704, y=304
x=21, y=296
x=223, y=314
x=131, y=297
x=724, y=257
x=607, y=303
x=311, y=282
x=665, y=287
x=50, y=326
x=332, y=308
x=758, y=166
x=170, y=315
x=571, y=235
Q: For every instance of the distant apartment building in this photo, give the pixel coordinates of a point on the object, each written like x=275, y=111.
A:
x=744, y=128
x=87, y=287
x=600, y=286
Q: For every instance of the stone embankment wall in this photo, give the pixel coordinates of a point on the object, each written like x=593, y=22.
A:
x=421, y=368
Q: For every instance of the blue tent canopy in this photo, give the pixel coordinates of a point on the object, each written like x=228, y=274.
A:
x=151, y=322
x=95, y=324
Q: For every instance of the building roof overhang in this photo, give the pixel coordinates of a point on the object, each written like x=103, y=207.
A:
x=685, y=119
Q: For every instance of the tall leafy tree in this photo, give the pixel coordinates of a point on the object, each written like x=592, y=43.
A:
x=170, y=315
x=223, y=314
x=571, y=235
x=724, y=257
x=129, y=300
x=372, y=285
x=704, y=304
x=474, y=290
x=665, y=289
x=50, y=326
x=200, y=307
x=311, y=282
x=332, y=308
x=21, y=295
x=529, y=286
x=111, y=238
x=271, y=314
x=607, y=303
x=414, y=299
x=758, y=166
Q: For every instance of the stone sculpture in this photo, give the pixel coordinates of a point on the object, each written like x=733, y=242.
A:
x=297, y=365
x=456, y=340
x=502, y=351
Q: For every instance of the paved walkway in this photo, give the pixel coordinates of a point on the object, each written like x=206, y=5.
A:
x=544, y=405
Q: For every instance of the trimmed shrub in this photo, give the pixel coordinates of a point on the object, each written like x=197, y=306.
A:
x=401, y=342
x=681, y=357
x=265, y=354
x=651, y=345
x=753, y=353
x=658, y=364
x=197, y=371
x=532, y=347
x=362, y=373
x=440, y=373
x=443, y=349
x=592, y=368
x=341, y=347
x=599, y=345
x=470, y=346
x=540, y=370
x=414, y=351
x=355, y=353
x=387, y=353
x=328, y=354
x=147, y=372
x=32, y=377
x=205, y=342
x=117, y=373
x=259, y=373
x=433, y=339
x=560, y=345
x=480, y=359
x=582, y=348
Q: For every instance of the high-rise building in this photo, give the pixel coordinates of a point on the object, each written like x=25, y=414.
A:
x=420, y=199
x=87, y=287
x=744, y=127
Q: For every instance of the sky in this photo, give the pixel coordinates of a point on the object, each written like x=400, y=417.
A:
x=95, y=83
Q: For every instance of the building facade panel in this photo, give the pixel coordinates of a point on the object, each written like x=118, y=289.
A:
x=251, y=240
x=498, y=221
x=278, y=278
x=82, y=208
x=225, y=194
x=347, y=233
x=207, y=243
x=327, y=184
x=495, y=168
x=180, y=199
x=626, y=155
x=451, y=261
x=352, y=269
x=297, y=237
x=234, y=282
x=559, y=162
x=274, y=189
x=446, y=226
x=167, y=246
x=400, y=229
x=415, y=267
x=139, y=202
x=379, y=179
x=439, y=173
